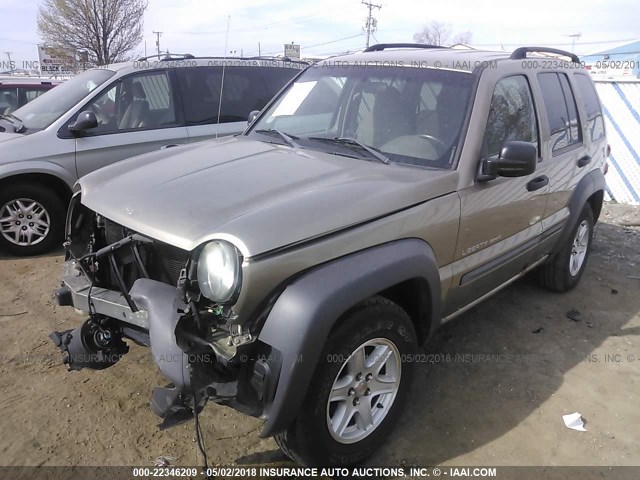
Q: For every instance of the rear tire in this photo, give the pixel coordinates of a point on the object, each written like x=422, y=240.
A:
x=31, y=219
x=358, y=389
x=563, y=271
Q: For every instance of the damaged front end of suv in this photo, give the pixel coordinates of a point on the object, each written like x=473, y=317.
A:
x=177, y=302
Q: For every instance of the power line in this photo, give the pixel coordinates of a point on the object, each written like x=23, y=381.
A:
x=371, y=23
x=574, y=37
x=554, y=44
x=321, y=44
x=290, y=21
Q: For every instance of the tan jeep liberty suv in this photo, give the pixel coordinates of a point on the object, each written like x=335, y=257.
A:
x=290, y=272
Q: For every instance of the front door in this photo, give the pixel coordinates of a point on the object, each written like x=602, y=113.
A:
x=500, y=223
x=136, y=115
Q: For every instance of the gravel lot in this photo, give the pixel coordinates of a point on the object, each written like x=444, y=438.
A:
x=492, y=389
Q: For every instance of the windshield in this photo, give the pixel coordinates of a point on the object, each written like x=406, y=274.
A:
x=408, y=115
x=47, y=108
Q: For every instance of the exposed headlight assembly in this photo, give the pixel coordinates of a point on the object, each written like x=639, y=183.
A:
x=219, y=273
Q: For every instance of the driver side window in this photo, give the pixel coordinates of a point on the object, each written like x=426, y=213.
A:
x=511, y=115
x=137, y=101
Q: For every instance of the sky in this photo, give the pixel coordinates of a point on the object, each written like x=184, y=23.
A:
x=330, y=27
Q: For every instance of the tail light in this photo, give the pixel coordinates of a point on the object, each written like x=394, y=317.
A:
x=608, y=151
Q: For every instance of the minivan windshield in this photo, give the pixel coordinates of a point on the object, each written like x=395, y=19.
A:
x=47, y=108
x=400, y=114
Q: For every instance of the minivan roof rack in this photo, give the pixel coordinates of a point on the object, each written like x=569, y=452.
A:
x=382, y=46
x=169, y=56
x=521, y=53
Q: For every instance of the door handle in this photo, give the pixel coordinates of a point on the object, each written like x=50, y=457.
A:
x=586, y=160
x=537, y=183
x=164, y=147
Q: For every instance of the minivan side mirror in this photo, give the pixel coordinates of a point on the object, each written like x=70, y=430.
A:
x=85, y=121
x=517, y=159
x=252, y=116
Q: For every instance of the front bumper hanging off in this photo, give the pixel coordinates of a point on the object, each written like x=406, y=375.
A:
x=149, y=316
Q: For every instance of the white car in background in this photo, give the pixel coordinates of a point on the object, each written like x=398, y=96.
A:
x=111, y=113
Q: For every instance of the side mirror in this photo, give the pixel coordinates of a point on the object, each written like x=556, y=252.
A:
x=517, y=159
x=85, y=121
x=252, y=116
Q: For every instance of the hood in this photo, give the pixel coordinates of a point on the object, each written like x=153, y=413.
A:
x=5, y=136
x=260, y=196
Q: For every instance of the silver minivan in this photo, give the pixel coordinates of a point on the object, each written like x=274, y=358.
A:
x=111, y=113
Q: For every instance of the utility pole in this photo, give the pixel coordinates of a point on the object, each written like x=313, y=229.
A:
x=370, y=22
x=574, y=37
x=157, y=34
x=259, y=51
x=10, y=64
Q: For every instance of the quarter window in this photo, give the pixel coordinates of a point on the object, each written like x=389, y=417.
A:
x=511, y=115
x=591, y=104
x=562, y=112
x=244, y=89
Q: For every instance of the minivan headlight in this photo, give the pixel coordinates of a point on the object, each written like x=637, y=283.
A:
x=219, y=274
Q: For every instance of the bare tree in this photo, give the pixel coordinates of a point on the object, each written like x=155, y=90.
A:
x=438, y=33
x=108, y=30
x=462, y=37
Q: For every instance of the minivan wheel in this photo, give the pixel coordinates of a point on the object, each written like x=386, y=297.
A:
x=31, y=219
x=563, y=271
x=358, y=389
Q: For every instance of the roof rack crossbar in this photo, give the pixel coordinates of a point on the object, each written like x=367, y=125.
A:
x=168, y=56
x=521, y=53
x=381, y=46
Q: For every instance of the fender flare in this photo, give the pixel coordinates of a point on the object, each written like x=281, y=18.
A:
x=304, y=314
x=591, y=183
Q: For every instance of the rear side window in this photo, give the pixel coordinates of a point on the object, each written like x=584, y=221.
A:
x=591, y=105
x=511, y=115
x=562, y=111
x=245, y=89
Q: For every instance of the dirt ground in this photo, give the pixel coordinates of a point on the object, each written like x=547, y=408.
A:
x=465, y=408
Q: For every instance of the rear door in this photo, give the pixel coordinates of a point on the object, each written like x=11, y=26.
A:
x=136, y=114
x=564, y=151
x=216, y=107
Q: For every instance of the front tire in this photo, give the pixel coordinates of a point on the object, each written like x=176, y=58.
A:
x=31, y=219
x=563, y=271
x=358, y=389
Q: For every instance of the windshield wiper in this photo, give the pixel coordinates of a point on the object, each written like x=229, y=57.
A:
x=289, y=139
x=18, y=126
x=352, y=142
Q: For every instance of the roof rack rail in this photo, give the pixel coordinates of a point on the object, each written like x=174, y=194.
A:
x=521, y=53
x=381, y=46
x=169, y=56
x=268, y=57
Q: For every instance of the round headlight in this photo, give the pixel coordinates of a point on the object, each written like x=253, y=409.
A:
x=218, y=271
